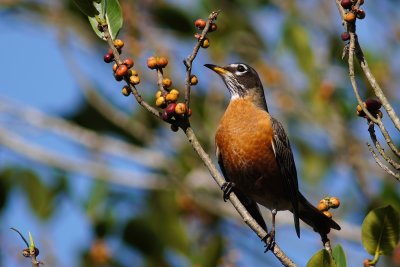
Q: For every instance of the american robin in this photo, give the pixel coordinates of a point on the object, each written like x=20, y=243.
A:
x=255, y=157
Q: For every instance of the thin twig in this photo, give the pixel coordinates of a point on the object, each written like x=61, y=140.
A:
x=188, y=62
x=371, y=130
x=383, y=166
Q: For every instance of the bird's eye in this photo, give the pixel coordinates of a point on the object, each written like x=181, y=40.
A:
x=241, y=68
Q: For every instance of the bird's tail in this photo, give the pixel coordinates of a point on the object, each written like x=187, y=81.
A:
x=314, y=218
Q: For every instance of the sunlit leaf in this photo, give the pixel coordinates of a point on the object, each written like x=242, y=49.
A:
x=114, y=17
x=380, y=230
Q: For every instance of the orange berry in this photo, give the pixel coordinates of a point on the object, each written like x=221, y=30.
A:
x=118, y=43
x=327, y=214
x=180, y=109
x=162, y=62
x=205, y=43
x=128, y=62
x=152, y=63
x=166, y=83
x=334, y=202
x=122, y=70
x=349, y=17
x=322, y=206
x=126, y=91
x=193, y=80
x=200, y=24
x=134, y=79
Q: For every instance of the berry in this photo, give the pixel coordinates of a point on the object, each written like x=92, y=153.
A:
x=118, y=43
x=180, y=109
x=115, y=67
x=213, y=27
x=108, y=58
x=349, y=17
x=175, y=92
x=166, y=83
x=118, y=78
x=334, y=202
x=345, y=36
x=165, y=116
x=160, y=101
x=158, y=94
x=132, y=72
x=162, y=62
x=152, y=63
x=193, y=80
x=327, y=214
x=128, y=62
x=122, y=70
x=126, y=91
x=322, y=206
x=170, y=109
x=174, y=128
x=346, y=4
x=134, y=79
x=171, y=97
x=360, y=14
x=200, y=24
x=373, y=103
x=205, y=43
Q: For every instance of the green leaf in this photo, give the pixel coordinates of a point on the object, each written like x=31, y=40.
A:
x=339, y=256
x=87, y=7
x=109, y=11
x=380, y=230
x=113, y=17
x=321, y=259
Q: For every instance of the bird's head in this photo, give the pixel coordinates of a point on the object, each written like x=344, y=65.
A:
x=242, y=82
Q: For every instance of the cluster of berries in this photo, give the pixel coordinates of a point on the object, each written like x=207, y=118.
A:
x=167, y=98
x=372, y=105
x=352, y=14
x=201, y=24
x=124, y=69
x=326, y=203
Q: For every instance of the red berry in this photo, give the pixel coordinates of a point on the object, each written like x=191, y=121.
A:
x=346, y=4
x=108, y=58
x=213, y=27
x=122, y=70
x=360, y=14
x=170, y=109
x=200, y=24
x=373, y=104
x=345, y=36
x=128, y=62
x=165, y=116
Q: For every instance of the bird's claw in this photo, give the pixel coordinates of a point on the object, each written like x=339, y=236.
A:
x=269, y=241
x=227, y=188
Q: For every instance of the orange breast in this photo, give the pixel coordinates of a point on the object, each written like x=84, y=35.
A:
x=244, y=141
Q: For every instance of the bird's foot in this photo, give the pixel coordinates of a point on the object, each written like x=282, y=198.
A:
x=269, y=241
x=227, y=188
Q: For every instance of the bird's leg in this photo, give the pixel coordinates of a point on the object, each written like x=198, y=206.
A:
x=269, y=239
x=227, y=188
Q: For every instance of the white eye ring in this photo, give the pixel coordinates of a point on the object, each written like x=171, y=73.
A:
x=241, y=68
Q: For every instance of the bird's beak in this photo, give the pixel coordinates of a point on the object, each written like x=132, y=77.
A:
x=217, y=69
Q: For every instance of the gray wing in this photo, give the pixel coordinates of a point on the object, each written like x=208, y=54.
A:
x=250, y=205
x=284, y=156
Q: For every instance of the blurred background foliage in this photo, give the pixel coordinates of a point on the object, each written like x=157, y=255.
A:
x=99, y=182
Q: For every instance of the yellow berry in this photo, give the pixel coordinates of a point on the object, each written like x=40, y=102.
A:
x=180, y=109
x=160, y=101
x=193, y=80
x=126, y=91
x=334, y=202
x=118, y=43
x=205, y=43
x=328, y=214
x=322, y=206
x=349, y=17
x=174, y=92
x=171, y=97
x=166, y=83
x=158, y=94
x=134, y=80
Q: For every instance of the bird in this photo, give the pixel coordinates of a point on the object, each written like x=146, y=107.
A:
x=255, y=156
